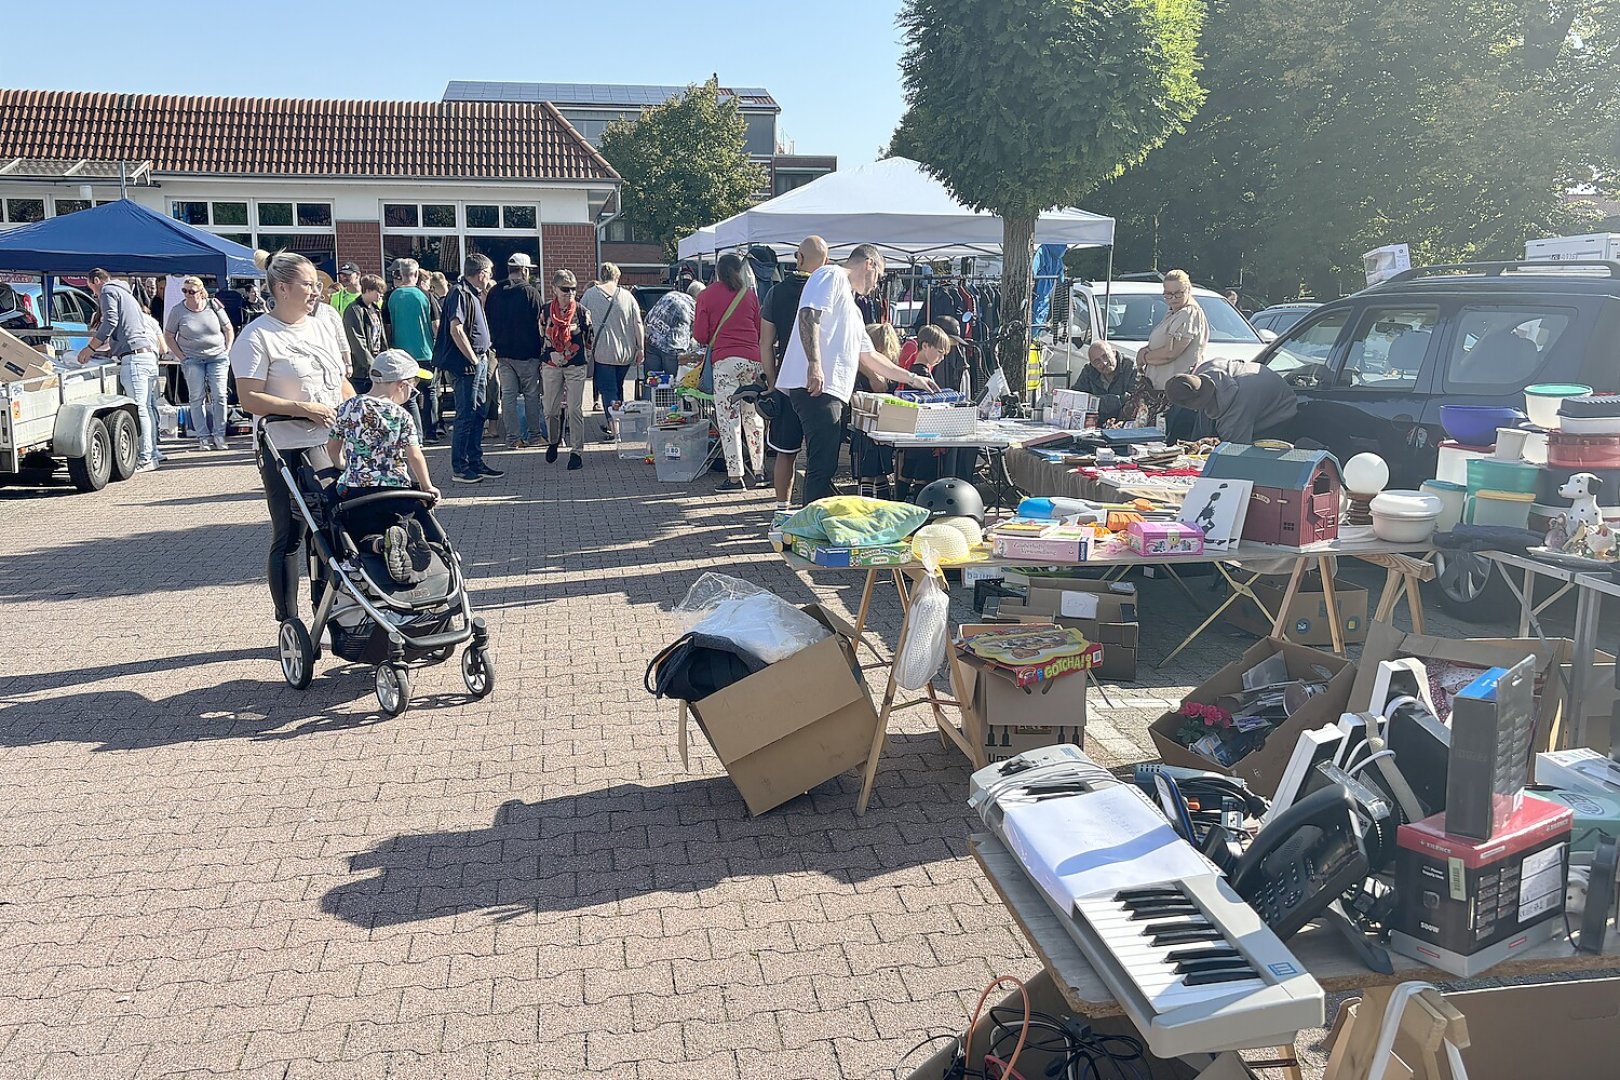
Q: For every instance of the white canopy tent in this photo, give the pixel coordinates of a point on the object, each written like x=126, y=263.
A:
x=893, y=204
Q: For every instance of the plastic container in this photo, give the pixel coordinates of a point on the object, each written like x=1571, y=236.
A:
x=1591, y=406
x=1405, y=517
x=1541, y=401
x=1510, y=443
x=1488, y=474
x=1452, y=497
x=680, y=453
x=1583, y=451
x=1535, y=446
x=635, y=421
x=1509, y=509
x=1589, y=425
x=1454, y=459
x=1475, y=425
x=1553, y=477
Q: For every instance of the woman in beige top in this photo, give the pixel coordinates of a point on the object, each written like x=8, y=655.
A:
x=1175, y=347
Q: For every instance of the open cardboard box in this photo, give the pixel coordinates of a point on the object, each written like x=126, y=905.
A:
x=1106, y=612
x=1384, y=642
x=1044, y=997
x=1307, y=617
x=18, y=361
x=1002, y=720
x=796, y=724
x=1263, y=769
x=1559, y=1029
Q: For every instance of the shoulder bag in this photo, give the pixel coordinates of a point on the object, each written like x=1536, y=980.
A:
x=706, y=377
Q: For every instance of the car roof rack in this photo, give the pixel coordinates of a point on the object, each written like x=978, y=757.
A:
x=1496, y=269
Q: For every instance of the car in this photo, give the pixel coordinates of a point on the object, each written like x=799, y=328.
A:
x=1280, y=318
x=1372, y=370
x=648, y=295
x=1134, y=308
x=72, y=308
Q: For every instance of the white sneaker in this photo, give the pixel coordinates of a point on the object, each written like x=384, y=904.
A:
x=220, y=444
x=150, y=466
x=204, y=444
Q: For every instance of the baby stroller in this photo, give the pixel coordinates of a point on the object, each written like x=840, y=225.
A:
x=368, y=616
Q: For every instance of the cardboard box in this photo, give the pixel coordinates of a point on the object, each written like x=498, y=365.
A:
x=1307, y=620
x=1009, y=720
x=796, y=724
x=874, y=413
x=1061, y=544
x=1556, y=1029
x=1263, y=769
x=18, y=361
x=1106, y=612
x=1384, y=642
x=1164, y=539
x=824, y=554
x=1044, y=997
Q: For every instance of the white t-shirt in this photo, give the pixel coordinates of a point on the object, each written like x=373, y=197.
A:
x=842, y=335
x=299, y=362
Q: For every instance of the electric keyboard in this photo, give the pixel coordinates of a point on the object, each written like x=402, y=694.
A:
x=1191, y=964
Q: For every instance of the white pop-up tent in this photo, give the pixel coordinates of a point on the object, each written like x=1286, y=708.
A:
x=893, y=204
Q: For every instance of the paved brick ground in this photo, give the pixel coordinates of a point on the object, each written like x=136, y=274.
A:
x=205, y=872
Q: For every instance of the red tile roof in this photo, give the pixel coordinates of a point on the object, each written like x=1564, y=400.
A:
x=448, y=140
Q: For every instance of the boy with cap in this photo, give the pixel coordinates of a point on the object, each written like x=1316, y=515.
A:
x=376, y=440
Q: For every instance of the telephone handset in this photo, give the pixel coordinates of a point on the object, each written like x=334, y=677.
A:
x=1302, y=861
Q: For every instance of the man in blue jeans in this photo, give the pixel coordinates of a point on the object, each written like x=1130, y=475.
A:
x=462, y=350
x=122, y=329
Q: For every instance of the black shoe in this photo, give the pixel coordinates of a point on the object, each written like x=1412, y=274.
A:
x=458, y=478
x=733, y=483
x=485, y=470
x=575, y=462
x=551, y=452
x=607, y=435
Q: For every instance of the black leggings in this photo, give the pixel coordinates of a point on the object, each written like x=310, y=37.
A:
x=285, y=564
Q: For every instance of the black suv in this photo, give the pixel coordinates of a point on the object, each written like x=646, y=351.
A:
x=1372, y=370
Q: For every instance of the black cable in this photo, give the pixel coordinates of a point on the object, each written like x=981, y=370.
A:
x=1078, y=1052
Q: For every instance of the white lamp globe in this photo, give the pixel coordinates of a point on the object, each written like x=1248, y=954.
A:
x=1366, y=474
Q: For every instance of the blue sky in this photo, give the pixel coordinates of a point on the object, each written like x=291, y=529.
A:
x=832, y=65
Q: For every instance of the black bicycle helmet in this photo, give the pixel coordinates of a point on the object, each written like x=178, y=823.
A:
x=951, y=497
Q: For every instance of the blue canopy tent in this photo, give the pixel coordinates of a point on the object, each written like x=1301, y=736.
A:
x=124, y=238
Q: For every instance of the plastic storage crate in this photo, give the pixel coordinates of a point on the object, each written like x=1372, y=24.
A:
x=680, y=454
x=635, y=422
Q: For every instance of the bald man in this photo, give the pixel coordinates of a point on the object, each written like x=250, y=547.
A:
x=778, y=316
x=1108, y=377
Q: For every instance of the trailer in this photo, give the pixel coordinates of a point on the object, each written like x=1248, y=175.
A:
x=1602, y=246
x=72, y=414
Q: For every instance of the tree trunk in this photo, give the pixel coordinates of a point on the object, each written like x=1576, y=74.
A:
x=1017, y=288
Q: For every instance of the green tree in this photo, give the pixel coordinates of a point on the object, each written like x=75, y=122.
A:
x=683, y=164
x=1455, y=126
x=1019, y=106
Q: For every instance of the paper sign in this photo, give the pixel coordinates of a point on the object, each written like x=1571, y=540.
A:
x=1078, y=605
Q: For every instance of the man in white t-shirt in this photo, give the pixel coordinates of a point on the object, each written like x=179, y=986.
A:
x=828, y=346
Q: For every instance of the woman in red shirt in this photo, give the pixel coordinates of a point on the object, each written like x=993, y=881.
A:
x=728, y=319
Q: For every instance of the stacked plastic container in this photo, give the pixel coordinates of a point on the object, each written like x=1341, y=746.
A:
x=680, y=452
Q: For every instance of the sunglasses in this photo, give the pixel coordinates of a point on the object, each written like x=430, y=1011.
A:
x=191, y=292
x=564, y=288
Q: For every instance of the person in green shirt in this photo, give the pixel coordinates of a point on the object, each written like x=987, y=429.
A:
x=348, y=290
x=410, y=322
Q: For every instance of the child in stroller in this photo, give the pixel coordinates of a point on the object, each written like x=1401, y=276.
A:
x=377, y=442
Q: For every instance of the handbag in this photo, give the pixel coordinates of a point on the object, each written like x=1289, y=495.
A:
x=706, y=377
x=696, y=665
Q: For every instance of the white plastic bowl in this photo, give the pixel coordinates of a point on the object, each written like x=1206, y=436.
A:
x=1542, y=400
x=1406, y=517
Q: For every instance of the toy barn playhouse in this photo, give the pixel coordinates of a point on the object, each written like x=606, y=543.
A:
x=1295, y=501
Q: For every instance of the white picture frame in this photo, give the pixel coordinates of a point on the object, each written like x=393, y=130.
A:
x=1218, y=507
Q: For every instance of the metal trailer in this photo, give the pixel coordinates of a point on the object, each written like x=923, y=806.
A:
x=76, y=415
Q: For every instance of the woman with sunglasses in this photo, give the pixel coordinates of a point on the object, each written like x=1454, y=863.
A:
x=198, y=333
x=1175, y=346
x=565, y=327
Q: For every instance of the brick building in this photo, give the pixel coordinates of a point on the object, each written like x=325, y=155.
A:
x=367, y=181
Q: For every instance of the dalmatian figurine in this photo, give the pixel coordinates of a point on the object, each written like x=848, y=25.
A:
x=1583, y=522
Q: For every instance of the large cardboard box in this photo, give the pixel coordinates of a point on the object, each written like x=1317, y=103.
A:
x=1307, y=620
x=1263, y=769
x=18, y=361
x=1385, y=642
x=1008, y=720
x=1558, y=1029
x=1106, y=612
x=796, y=724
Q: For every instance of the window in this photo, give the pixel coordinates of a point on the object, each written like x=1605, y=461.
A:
x=245, y=239
x=1302, y=357
x=401, y=215
x=19, y=211
x=71, y=206
x=433, y=252
x=1500, y=349
x=275, y=214
x=760, y=140
x=483, y=217
x=314, y=215
x=439, y=216
x=230, y=213
x=619, y=232
x=501, y=248
x=318, y=248
x=192, y=213
x=1132, y=317
x=1387, y=349
x=1226, y=326
x=517, y=217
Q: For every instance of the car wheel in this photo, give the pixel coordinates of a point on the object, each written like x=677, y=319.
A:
x=92, y=471
x=126, y=444
x=1469, y=586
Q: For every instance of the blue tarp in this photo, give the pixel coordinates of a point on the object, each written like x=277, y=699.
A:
x=1048, y=272
x=124, y=238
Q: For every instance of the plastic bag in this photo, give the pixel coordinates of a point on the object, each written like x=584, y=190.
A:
x=922, y=649
x=741, y=612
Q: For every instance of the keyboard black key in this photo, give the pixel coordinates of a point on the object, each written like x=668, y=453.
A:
x=1207, y=978
x=1188, y=937
x=1125, y=896
x=1181, y=922
x=1160, y=911
x=1188, y=967
x=1221, y=952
